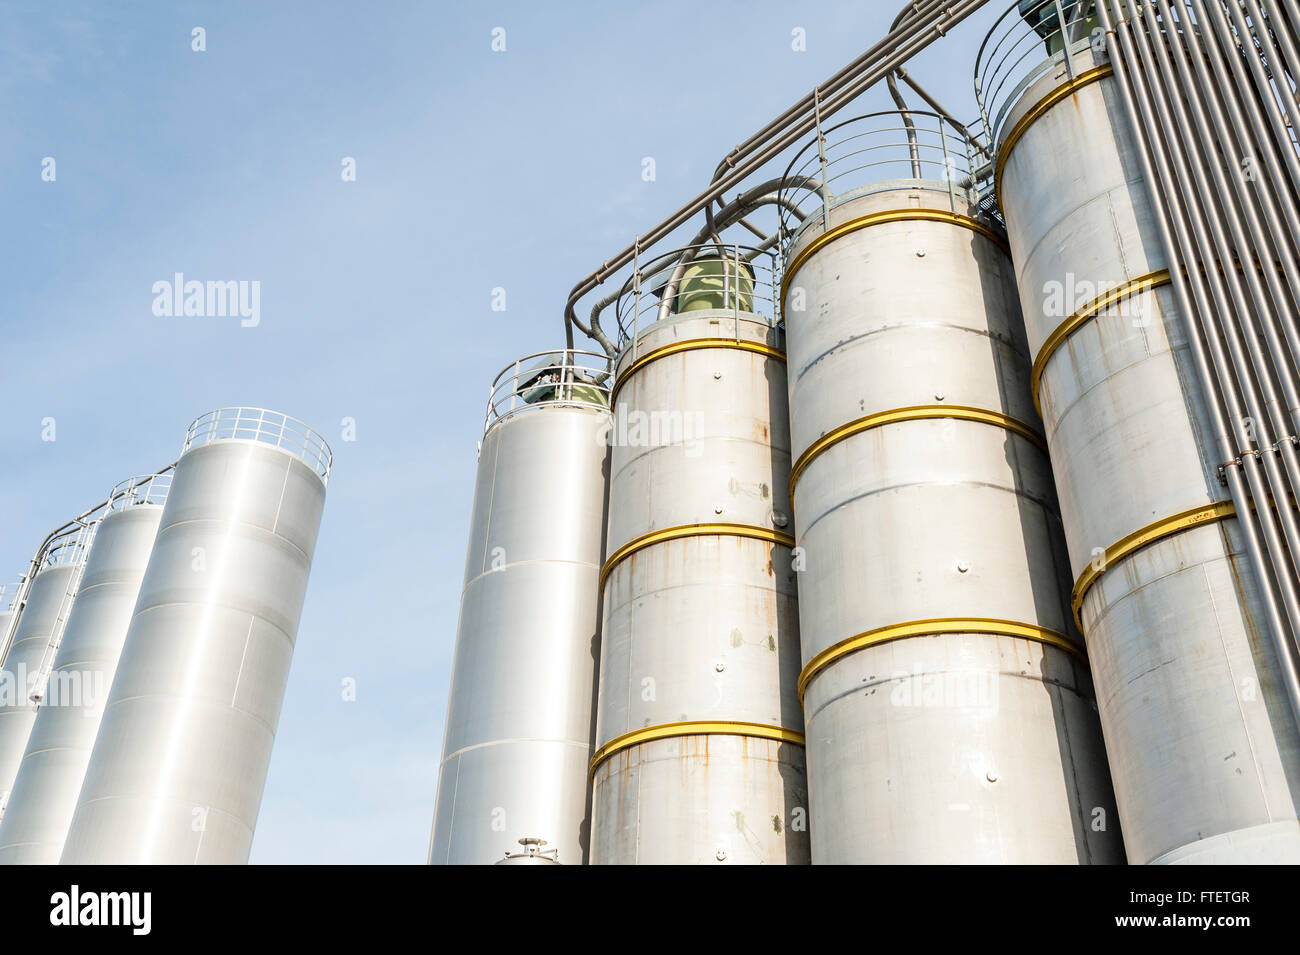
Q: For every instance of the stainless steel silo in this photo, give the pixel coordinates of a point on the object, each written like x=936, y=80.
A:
x=519, y=718
x=180, y=761
x=1198, y=734
x=948, y=705
x=699, y=736
x=11, y=595
x=49, y=778
x=49, y=601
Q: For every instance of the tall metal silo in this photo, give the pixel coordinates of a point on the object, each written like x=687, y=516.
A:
x=699, y=736
x=949, y=709
x=180, y=761
x=49, y=778
x=11, y=595
x=519, y=718
x=48, y=604
x=1199, y=737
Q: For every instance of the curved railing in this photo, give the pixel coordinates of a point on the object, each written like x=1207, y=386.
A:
x=264, y=427
x=865, y=151
x=141, y=489
x=9, y=594
x=712, y=276
x=69, y=548
x=1029, y=40
x=566, y=377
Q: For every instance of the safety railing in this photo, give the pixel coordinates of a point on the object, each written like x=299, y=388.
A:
x=721, y=276
x=142, y=489
x=265, y=427
x=1027, y=42
x=9, y=594
x=860, y=153
x=69, y=549
x=567, y=377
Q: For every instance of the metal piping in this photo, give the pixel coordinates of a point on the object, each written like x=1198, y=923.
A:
x=907, y=124
x=1166, y=215
x=1194, y=134
x=896, y=49
x=760, y=195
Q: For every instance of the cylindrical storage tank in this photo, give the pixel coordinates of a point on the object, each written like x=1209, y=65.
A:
x=36, y=640
x=949, y=710
x=49, y=779
x=519, y=717
x=1202, y=747
x=179, y=764
x=699, y=737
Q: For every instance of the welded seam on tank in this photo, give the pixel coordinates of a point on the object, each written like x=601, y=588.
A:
x=685, y=531
x=913, y=413
x=1045, y=504
x=1150, y=534
x=234, y=523
x=1143, y=283
x=580, y=564
x=576, y=743
x=1086, y=78
x=650, y=734
x=934, y=627
x=908, y=326
x=881, y=218
x=692, y=344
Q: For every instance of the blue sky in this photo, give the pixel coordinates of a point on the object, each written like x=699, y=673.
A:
x=475, y=170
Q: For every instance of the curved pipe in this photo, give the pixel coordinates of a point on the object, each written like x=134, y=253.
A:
x=766, y=193
x=934, y=19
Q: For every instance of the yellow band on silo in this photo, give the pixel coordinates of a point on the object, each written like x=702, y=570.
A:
x=914, y=413
x=694, y=728
x=1085, y=78
x=692, y=530
x=926, y=628
x=694, y=344
x=1140, y=538
x=878, y=218
x=1068, y=327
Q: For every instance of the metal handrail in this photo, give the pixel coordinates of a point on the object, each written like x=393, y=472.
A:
x=743, y=279
x=70, y=547
x=1026, y=42
x=141, y=489
x=877, y=147
x=10, y=592
x=264, y=427
x=565, y=377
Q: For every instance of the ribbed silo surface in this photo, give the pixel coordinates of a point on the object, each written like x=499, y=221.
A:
x=949, y=709
x=49, y=602
x=180, y=761
x=1197, y=730
x=699, y=735
x=519, y=718
x=49, y=778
